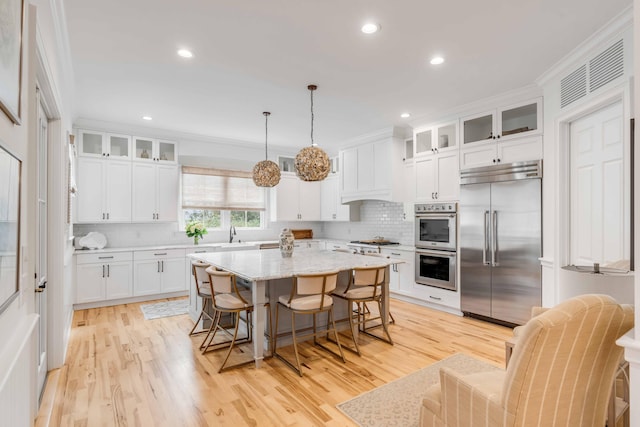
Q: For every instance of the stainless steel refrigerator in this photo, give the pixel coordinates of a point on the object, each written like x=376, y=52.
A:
x=501, y=241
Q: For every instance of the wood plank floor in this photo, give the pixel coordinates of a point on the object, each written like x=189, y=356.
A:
x=123, y=370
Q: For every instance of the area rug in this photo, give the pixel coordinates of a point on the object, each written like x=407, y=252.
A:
x=398, y=402
x=165, y=309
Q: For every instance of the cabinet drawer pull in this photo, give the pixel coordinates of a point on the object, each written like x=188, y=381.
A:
x=200, y=252
x=163, y=253
x=435, y=298
x=396, y=254
x=158, y=262
x=105, y=257
x=103, y=270
x=108, y=271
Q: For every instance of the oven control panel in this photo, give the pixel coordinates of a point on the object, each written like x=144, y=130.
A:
x=436, y=207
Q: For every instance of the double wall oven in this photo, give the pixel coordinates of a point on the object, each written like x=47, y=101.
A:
x=436, y=244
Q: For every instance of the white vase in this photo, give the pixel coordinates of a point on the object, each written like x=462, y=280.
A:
x=286, y=243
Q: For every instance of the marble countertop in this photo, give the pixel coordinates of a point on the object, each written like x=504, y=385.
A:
x=268, y=265
x=219, y=245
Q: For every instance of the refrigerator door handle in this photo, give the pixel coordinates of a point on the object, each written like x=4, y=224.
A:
x=485, y=241
x=494, y=240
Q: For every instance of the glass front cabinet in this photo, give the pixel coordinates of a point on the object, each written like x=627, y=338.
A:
x=154, y=150
x=101, y=144
x=436, y=139
x=509, y=122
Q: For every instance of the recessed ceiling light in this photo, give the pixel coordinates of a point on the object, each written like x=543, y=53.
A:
x=147, y=118
x=405, y=115
x=370, y=28
x=185, y=53
x=437, y=60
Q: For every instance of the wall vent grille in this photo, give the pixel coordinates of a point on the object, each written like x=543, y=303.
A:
x=606, y=67
x=573, y=86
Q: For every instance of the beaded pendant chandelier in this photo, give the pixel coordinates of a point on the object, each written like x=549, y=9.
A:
x=312, y=163
x=266, y=173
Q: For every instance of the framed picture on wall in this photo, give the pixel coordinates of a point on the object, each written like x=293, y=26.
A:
x=11, y=23
x=10, y=173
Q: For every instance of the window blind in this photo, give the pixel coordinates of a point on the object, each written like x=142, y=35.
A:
x=214, y=189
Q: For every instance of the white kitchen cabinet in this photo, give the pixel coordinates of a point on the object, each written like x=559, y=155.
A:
x=104, y=190
x=437, y=296
x=410, y=182
x=158, y=271
x=295, y=200
x=101, y=144
x=330, y=207
x=154, y=150
x=401, y=275
x=436, y=139
x=503, y=123
x=155, y=192
x=491, y=153
x=437, y=177
x=101, y=277
x=373, y=170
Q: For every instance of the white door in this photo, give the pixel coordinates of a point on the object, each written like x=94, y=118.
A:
x=598, y=230
x=144, y=192
x=448, y=177
x=168, y=191
x=41, y=248
x=118, y=190
x=309, y=200
x=425, y=179
x=172, y=272
x=91, y=190
x=118, y=280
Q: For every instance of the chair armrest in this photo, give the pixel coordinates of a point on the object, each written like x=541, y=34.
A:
x=535, y=311
x=468, y=398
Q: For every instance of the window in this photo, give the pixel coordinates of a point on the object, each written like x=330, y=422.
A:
x=221, y=198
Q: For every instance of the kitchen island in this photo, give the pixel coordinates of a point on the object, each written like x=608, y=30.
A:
x=264, y=269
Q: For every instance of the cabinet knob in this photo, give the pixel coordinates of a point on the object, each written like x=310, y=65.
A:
x=494, y=160
x=108, y=154
x=498, y=137
x=498, y=160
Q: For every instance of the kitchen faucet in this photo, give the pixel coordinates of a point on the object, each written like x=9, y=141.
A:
x=232, y=232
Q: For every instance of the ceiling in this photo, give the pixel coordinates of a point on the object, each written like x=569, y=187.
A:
x=252, y=56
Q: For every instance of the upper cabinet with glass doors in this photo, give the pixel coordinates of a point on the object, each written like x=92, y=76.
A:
x=154, y=150
x=509, y=122
x=436, y=139
x=101, y=144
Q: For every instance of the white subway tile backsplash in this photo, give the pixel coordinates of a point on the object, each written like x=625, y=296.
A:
x=376, y=219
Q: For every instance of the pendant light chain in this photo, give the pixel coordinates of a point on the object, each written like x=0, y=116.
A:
x=266, y=118
x=312, y=116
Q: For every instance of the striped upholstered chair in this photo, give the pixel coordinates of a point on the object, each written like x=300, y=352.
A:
x=560, y=374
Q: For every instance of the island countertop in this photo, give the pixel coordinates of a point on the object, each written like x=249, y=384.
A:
x=258, y=265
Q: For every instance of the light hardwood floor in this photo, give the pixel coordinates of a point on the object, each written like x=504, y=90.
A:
x=123, y=370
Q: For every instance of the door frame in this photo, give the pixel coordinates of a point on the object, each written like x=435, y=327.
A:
x=58, y=325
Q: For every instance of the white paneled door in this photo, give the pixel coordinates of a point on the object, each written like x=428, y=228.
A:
x=41, y=251
x=598, y=188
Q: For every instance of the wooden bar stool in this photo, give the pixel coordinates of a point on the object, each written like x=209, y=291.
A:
x=365, y=286
x=310, y=295
x=203, y=290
